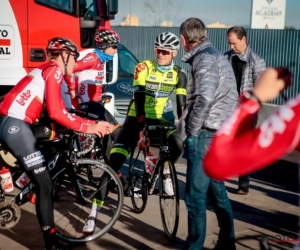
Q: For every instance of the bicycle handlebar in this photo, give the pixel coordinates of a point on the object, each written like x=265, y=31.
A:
x=90, y=146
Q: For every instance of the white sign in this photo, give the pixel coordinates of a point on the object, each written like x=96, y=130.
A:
x=268, y=14
x=6, y=42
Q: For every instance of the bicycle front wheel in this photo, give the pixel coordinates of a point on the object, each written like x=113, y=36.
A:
x=138, y=185
x=72, y=211
x=169, y=199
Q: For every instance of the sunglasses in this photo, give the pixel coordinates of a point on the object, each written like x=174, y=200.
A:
x=75, y=55
x=164, y=52
x=114, y=47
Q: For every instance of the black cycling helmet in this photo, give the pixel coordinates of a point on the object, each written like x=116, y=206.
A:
x=106, y=38
x=59, y=44
x=167, y=40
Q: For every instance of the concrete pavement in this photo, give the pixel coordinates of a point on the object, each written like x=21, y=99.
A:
x=269, y=209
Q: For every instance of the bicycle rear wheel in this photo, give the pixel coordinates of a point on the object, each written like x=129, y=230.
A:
x=138, y=183
x=72, y=213
x=169, y=200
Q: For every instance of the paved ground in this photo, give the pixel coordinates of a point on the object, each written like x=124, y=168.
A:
x=270, y=209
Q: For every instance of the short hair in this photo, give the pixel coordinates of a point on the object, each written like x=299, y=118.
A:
x=239, y=31
x=193, y=30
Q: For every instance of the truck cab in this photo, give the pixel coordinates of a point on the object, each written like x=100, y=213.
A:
x=26, y=26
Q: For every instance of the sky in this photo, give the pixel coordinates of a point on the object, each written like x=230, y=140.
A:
x=229, y=12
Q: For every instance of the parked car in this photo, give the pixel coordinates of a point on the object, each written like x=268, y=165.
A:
x=122, y=89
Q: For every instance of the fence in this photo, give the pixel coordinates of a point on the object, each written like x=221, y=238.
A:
x=277, y=47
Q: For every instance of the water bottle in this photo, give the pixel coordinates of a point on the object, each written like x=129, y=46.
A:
x=167, y=181
x=150, y=163
x=6, y=180
x=23, y=180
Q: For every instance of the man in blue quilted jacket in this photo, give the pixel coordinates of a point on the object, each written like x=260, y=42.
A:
x=246, y=65
x=211, y=98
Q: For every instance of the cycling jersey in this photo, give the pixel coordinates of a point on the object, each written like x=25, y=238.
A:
x=41, y=87
x=239, y=144
x=88, y=79
x=157, y=88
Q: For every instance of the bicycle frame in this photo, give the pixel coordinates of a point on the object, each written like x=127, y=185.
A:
x=55, y=168
x=164, y=153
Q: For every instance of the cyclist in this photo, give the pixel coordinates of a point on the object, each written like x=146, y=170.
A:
x=87, y=84
x=255, y=148
x=23, y=105
x=154, y=81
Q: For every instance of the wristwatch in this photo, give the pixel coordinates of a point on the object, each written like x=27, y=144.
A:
x=250, y=95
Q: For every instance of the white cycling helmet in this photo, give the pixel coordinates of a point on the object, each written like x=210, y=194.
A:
x=167, y=40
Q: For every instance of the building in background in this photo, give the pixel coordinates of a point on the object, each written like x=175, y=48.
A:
x=218, y=25
x=130, y=21
x=166, y=24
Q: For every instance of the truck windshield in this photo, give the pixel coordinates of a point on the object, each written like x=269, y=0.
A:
x=87, y=8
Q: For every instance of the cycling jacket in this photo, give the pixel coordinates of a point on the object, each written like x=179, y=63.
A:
x=238, y=144
x=88, y=79
x=152, y=90
x=39, y=89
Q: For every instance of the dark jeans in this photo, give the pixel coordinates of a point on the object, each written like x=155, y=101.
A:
x=244, y=179
x=197, y=184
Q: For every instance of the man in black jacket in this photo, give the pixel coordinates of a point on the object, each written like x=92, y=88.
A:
x=246, y=65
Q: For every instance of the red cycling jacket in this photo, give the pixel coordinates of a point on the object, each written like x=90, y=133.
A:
x=239, y=149
x=40, y=88
x=88, y=79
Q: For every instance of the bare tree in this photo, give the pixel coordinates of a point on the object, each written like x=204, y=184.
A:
x=160, y=10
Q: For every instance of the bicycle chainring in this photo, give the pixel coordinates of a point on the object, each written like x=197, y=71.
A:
x=10, y=214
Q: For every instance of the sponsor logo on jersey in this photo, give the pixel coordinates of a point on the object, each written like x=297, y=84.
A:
x=88, y=58
x=58, y=75
x=23, y=97
x=82, y=89
x=152, y=86
x=34, y=159
x=70, y=116
x=39, y=170
x=13, y=129
x=170, y=75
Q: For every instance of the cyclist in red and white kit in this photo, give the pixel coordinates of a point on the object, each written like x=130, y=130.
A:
x=255, y=148
x=86, y=85
x=24, y=105
x=89, y=71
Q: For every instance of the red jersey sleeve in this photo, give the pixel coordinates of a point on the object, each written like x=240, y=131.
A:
x=239, y=149
x=87, y=62
x=54, y=103
x=70, y=81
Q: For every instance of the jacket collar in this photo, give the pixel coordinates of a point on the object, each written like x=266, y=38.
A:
x=188, y=57
x=244, y=56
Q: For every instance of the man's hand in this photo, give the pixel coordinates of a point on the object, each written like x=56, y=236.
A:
x=142, y=143
x=100, y=129
x=270, y=82
x=73, y=94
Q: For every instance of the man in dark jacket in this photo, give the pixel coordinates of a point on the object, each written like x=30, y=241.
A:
x=211, y=97
x=246, y=65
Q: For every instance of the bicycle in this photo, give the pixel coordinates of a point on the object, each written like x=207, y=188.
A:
x=72, y=173
x=142, y=184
